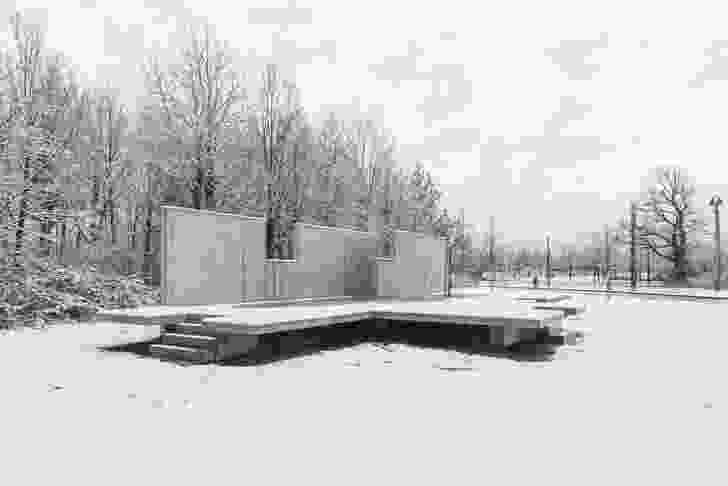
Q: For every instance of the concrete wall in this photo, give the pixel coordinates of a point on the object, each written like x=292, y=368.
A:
x=218, y=258
x=387, y=277
x=330, y=262
x=466, y=280
x=211, y=258
x=278, y=275
x=418, y=268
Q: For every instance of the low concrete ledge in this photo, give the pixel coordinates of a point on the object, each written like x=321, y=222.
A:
x=141, y=319
x=171, y=314
x=244, y=324
x=289, y=302
x=258, y=320
x=568, y=310
x=160, y=315
x=515, y=319
x=235, y=325
x=544, y=298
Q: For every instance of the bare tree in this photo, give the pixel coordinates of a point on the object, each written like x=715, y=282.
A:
x=242, y=188
x=670, y=224
x=280, y=121
x=373, y=150
x=110, y=169
x=198, y=98
x=37, y=125
x=424, y=196
x=336, y=147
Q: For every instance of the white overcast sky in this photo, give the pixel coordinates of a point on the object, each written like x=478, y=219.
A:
x=546, y=115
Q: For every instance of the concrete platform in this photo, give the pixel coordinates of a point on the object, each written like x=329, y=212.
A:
x=160, y=315
x=217, y=332
x=277, y=317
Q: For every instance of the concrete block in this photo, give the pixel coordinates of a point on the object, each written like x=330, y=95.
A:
x=504, y=335
x=190, y=328
x=181, y=353
x=189, y=340
x=233, y=345
x=568, y=310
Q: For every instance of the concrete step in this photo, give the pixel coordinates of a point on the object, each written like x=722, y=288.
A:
x=182, y=353
x=568, y=310
x=194, y=318
x=189, y=340
x=188, y=328
x=544, y=299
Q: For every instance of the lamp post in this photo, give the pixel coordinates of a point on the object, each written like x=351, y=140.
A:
x=491, y=252
x=716, y=202
x=607, y=258
x=449, y=256
x=548, y=260
x=648, y=257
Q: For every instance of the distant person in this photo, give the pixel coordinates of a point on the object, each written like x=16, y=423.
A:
x=535, y=280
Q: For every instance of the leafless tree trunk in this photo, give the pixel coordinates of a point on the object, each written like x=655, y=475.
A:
x=38, y=100
x=198, y=100
x=373, y=151
x=336, y=145
x=670, y=222
x=279, y=122
x=108, y=128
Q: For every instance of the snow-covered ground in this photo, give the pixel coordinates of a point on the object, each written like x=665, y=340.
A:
x=642, y=400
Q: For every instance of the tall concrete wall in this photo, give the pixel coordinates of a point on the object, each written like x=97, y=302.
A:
x=278, y=276
x=418, y=268
x=466, y=280
x=218, y=258
x=211, y=258
x=330, y=262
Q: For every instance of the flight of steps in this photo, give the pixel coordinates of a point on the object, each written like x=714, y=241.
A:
x=187, y=341
x=192, y=342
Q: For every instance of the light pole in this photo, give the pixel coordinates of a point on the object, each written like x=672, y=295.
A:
x=648, y=252
x=716, y=202
x=491, y=245
x=449, y=256
x=633, y=245
x=548, y=260
x=607, y=257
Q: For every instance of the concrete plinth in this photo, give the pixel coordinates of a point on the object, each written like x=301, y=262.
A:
x=235, y=345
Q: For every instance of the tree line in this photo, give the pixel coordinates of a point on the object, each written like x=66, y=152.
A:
x=79, y=171
x=663, y=228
